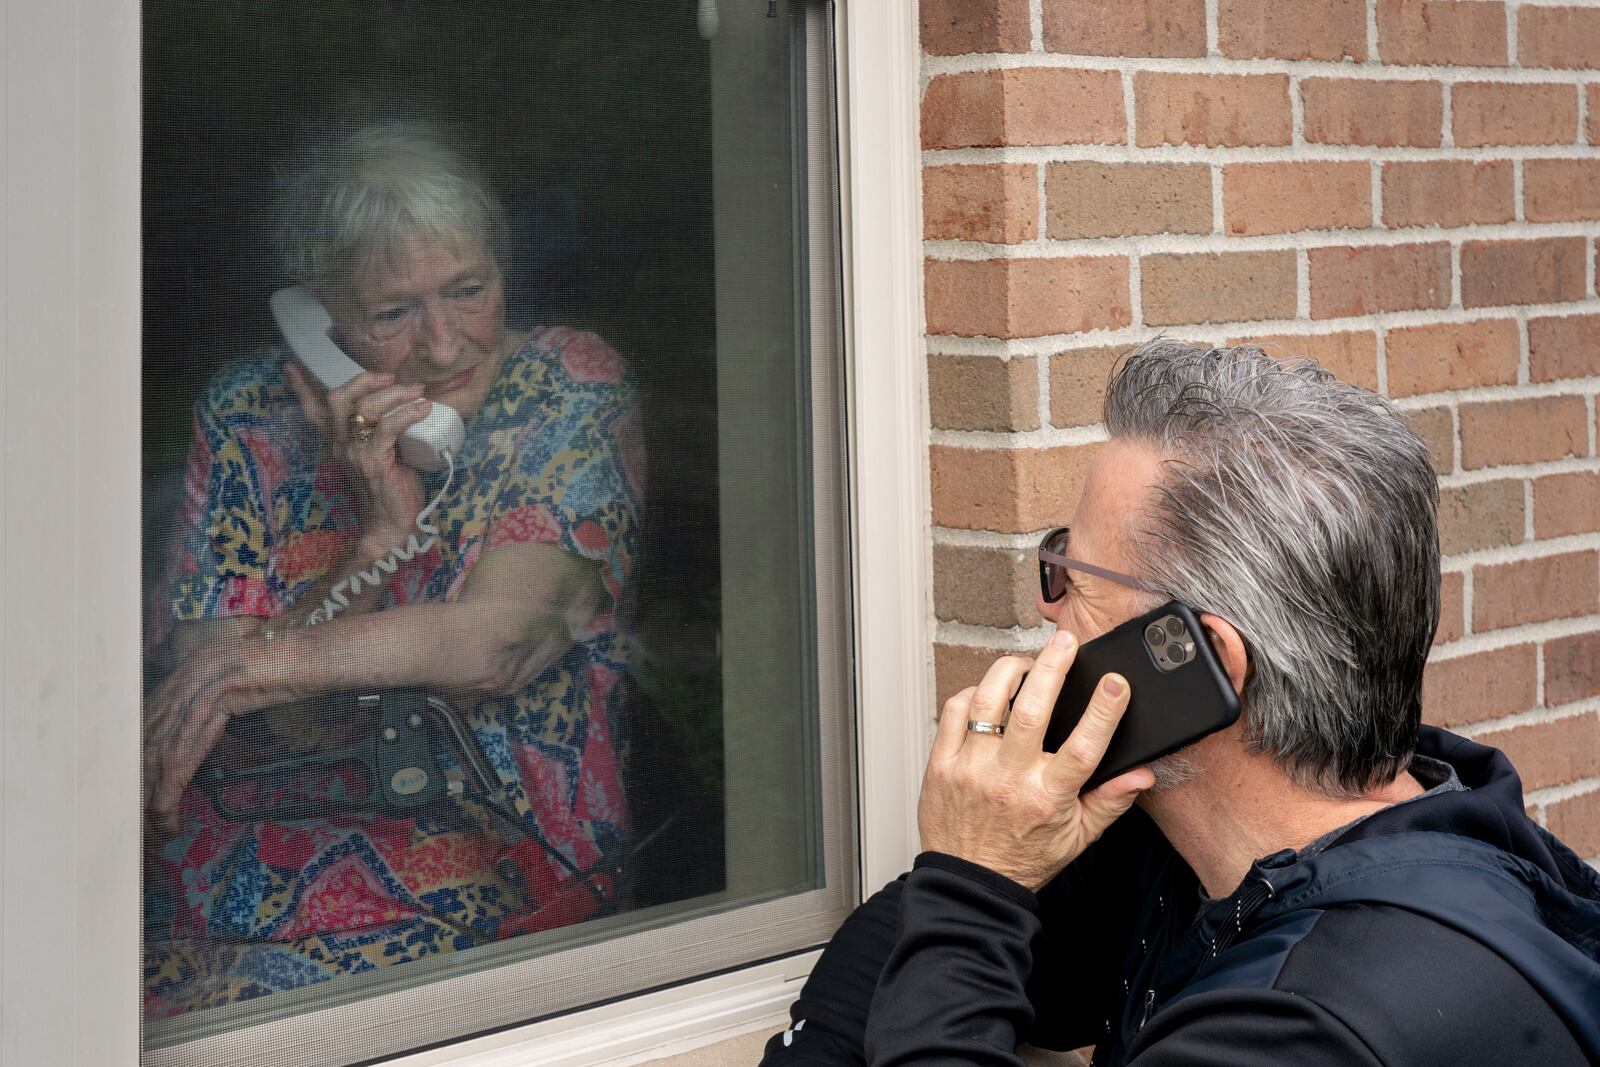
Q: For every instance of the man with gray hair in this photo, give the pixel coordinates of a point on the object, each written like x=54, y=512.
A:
x=1326, y=881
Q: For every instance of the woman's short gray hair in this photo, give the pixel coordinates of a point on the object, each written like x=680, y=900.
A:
x=1304, y=511
x=353, y=195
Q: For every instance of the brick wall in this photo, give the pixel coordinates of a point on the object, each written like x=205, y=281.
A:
x=1406, y=190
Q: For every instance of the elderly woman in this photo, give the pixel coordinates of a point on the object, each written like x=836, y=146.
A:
x=511, y=613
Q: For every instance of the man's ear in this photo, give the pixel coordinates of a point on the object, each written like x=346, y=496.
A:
x=1230, y=649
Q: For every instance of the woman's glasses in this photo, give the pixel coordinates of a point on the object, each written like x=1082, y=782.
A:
x=1054, y=567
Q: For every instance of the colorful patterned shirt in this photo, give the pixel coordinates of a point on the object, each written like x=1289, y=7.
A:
x=553, y=455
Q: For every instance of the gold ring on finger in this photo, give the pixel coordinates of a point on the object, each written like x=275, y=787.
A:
x=361, y=429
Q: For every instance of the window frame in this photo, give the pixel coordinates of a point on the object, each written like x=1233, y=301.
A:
x=69, y=585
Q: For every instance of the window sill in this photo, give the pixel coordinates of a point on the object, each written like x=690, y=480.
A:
x=642, y=1028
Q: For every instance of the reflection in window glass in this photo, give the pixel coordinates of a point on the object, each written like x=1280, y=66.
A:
x=464, y=330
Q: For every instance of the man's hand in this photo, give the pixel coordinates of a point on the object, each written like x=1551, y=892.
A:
x=1005, y=803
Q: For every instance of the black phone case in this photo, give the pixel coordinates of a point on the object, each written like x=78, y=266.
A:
x=1166, y=709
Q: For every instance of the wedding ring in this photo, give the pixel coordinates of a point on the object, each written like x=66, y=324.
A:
x=977, y=726
x=361, y=430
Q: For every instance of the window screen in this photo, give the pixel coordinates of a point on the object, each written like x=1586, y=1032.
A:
x=495, y=551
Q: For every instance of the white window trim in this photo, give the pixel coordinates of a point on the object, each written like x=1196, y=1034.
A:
x=69, y=550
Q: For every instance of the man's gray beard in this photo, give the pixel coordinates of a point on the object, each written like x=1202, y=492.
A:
x=1171, y=770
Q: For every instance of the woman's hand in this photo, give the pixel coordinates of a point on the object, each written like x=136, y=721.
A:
x=187, y=713
x=388, y=493
x=1003, y=802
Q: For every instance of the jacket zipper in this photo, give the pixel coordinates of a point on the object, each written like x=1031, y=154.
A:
x=1161, y=958
x=1247, y=904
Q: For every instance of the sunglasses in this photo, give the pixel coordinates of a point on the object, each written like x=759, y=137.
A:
x=1054, y=578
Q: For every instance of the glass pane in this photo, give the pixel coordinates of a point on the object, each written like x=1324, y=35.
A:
x=493, y=512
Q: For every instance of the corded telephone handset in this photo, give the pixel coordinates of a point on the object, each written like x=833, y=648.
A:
x=305, y=323
x=430, y=445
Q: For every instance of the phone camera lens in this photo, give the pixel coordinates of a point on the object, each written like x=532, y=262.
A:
x=1175, y=653
x=1175, y=627
x=1155, y=635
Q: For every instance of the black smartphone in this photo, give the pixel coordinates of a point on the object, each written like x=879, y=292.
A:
x=1179, y=692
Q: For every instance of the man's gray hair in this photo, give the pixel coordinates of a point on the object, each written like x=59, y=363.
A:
x=1304, y=511
x=353, y=195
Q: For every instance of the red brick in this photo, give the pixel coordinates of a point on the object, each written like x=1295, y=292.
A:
x=1011, y=490
x=1217, y=110
x=1576, y=822
x=1360, y=281
x=1065, y=107
x=1452, y=619
x=1078, y=384
x=985, y=586
x=974, y=488
x=1293, y=29
x=964, y=110
x=983, y=202
x=1123, y=199
x=1500, y=432
x=1550, y=753
x=1545, y=270
x=1481, y=515
x=1535, y=590
x=1027, y=297
x=1558, y=37
x=1566, y=346
x=1486, y=113
x=955, y=667
x=967, y=297
x=1452, y=355
x=1571, y=668
x=983, y=393
x=1217, y=287
x=1566, y=504
x=1384, y=113
x=1350, y=356
x=1448, y=33
x=1561, y=190
x=1437, y=428
x=1592, y=111
x=958, y=27
x=1038, y=105
x=1125, y=27
x=1447, y=192
x=1482, y=686
x=1260, y=198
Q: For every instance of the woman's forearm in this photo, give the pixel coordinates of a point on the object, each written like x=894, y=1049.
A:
x=522, y=608
x=447, y=647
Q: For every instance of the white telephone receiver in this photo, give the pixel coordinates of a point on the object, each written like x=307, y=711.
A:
x=305, y=323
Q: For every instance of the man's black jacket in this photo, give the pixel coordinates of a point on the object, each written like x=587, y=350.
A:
x=1448, y=930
